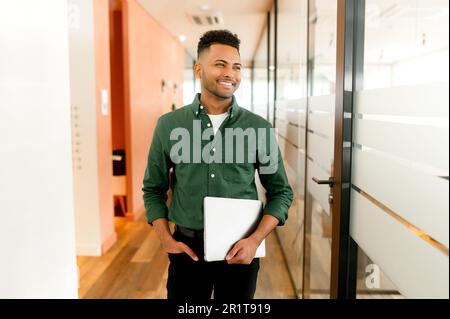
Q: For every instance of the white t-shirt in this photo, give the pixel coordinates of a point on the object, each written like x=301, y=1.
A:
x=217, y=120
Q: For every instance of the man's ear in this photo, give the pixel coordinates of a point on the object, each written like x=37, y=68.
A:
x=198, y=71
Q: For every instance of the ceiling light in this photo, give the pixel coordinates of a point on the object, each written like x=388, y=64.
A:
x=207, y=19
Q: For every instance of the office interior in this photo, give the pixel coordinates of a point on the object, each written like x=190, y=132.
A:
x=357, y=91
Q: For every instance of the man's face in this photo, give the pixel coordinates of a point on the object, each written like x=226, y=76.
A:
x=219, y=70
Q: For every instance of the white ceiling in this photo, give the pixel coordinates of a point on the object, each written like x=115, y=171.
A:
x=394, y=28
x=246, y=18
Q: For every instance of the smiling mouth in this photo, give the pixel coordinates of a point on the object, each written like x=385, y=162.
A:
x=226, y=84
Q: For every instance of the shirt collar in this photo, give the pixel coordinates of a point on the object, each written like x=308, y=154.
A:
x=196, y=107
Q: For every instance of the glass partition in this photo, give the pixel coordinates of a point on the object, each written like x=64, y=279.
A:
x=290, y=121
x=320, y=146
x=400, y=203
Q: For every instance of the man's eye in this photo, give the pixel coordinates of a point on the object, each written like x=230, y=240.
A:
x=220, y=64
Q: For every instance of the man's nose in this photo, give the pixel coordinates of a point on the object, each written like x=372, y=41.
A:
x=228, y=72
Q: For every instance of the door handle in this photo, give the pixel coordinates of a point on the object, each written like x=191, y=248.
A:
x=329, y=182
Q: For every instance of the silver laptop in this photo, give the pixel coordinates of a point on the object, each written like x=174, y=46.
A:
x=226, y=221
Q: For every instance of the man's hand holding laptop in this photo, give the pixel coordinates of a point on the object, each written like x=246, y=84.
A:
x=244, y=250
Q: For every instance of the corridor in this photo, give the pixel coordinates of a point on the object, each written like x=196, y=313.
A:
x=136, y=268
x=355, y=94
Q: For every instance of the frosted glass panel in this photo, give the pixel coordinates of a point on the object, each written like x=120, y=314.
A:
x=320, y=146
x=424, y=144
x=322, y=124
x=372, y=282
x=320, y=149
x=292, y=134
x=290, y=155
x=289, y=131
x=281, y=126
x=298, y=112
x=281, y=110
x=400, y=158
x=423, y=200
x=405, y=100
x=323, y=103
x=418, y=269
x=291, y=110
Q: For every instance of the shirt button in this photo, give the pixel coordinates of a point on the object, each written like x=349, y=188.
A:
x=201, y=107
x=212, y=175
x=208, y=125
x=214, y=149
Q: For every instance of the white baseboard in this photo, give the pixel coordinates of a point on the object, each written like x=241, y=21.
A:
x=89, y=250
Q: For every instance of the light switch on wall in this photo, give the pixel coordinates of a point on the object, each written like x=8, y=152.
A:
x=105, y=102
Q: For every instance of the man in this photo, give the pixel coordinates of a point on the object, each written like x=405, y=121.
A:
x=212, y=112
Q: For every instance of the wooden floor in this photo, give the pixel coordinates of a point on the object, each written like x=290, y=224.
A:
x=136, y=267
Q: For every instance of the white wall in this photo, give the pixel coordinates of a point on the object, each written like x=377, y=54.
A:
x=37, y=240
x=84, y=121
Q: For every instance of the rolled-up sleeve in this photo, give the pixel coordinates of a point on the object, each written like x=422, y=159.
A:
x=273, y=178
x=156, y=178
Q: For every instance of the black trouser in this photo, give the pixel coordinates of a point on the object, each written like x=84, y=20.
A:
x=195, y=280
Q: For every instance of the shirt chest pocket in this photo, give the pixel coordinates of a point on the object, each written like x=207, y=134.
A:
x=238, y=173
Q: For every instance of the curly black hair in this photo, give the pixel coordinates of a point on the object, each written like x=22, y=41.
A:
x=217, y=36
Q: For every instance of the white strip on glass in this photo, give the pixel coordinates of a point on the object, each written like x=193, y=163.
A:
x=301, y=173
x=425, y=144
x=320, y=149
x=296, y=112
x=282, y=114
x=417, y=269
x=325, y=103
x=321, y=123
x=301, y=138
x=415, y=120
x=299, y=119
x=290, y=155
x=418, y=197
x=426, y=100
x=281, y=127
x=292, y=134
x=299, y=104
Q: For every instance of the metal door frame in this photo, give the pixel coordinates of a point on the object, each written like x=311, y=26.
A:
x=349, y=80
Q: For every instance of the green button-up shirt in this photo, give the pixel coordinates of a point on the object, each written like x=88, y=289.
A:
x=204, y=164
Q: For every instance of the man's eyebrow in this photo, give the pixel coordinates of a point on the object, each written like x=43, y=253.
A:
x=220, y=60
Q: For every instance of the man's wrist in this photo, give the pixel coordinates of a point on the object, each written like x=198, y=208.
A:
x=167, y=237
x=256, y=238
